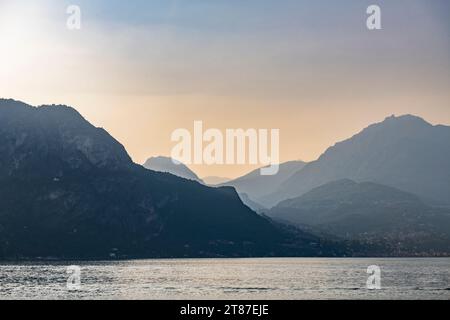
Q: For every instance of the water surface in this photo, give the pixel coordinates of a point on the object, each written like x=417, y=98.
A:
x=279, y=278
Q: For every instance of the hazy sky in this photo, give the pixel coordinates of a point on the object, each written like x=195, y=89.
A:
x=142, y=69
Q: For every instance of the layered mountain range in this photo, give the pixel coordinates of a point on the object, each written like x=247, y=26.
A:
x=370, y=212
x=254, y=187
x=70, y=190
x=404, y=152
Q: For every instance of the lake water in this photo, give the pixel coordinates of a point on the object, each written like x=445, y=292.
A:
x=280, y=279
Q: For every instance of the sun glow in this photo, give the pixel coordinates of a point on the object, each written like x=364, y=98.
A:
x=318, y=83
x=22, y=33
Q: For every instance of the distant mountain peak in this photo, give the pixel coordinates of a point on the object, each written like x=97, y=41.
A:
x=401, y=124
x=404, y=151
x=256, y=186
x=405, y=120
x=405, y=117
x=172, y=166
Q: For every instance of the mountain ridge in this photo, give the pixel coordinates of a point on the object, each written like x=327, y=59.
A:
x=255, y=186
x=405, y=152
x=68, y=190
x=372, y=213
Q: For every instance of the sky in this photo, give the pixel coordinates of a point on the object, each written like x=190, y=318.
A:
x=142, y=69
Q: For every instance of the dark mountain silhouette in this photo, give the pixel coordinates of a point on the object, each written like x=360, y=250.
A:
x=370, y=212
x=404, y=152
x=70, y=190
x=167, y=165
x=256, y=186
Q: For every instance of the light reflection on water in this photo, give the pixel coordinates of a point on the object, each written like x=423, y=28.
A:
x=279, y=278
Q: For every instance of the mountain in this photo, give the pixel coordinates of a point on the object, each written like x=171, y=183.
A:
x=403, y=152
x=69, y=190
x=214, y=181
x=370, y=212
x=251, y=204
x=256, y=186
x=168, y=165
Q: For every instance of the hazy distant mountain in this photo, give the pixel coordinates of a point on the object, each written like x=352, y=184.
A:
x=70, y=190
x=403, y=152
x=256, y=186
x=251, y=204
x=369, y=211
x=214, y=181
x=165, y=164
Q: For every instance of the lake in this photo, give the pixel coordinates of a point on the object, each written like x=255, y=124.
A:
x=277, y=278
